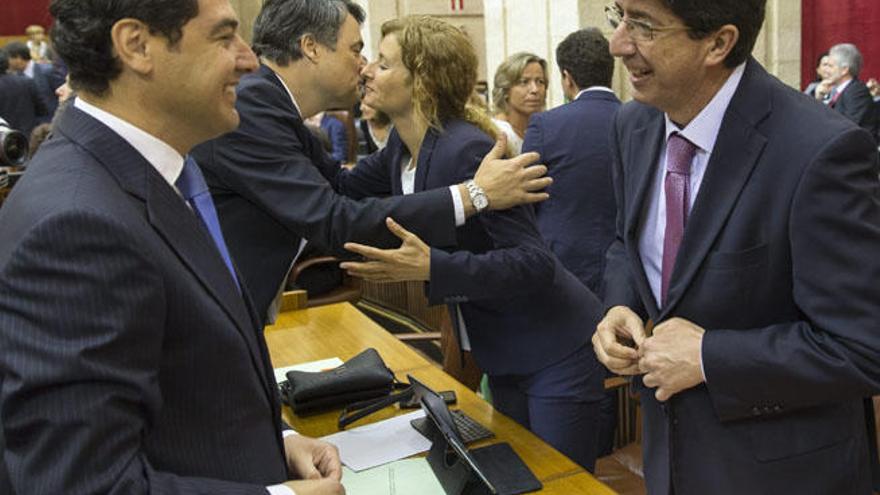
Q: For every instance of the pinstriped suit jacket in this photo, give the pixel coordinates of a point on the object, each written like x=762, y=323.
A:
x=130, y=363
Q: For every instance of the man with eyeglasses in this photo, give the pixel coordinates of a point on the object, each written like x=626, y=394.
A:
x=742, y=282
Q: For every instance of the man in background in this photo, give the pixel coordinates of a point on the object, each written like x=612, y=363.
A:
x=20, y=103
x=578, y=220
x=742, y=280
x=132, y=359
x=273, y=183
x=848, y=95
x=44, y=76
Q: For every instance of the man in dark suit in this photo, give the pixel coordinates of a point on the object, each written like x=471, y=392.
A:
x=850, y=96
x=578, y=220
x=748, y=227
x=274, y=184
x=132, y=361
x=44, y=76
x=20, y=103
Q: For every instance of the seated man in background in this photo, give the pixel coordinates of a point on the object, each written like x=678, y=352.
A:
x=274, y=184
x=131, y=361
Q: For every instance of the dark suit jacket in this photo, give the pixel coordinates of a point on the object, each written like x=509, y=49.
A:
x=778, y=263
x=130, y=363
x=856, y=104
x=578, y=220
x=522, y=309
x=273, y=184
x=47, y=79
x=20, y=102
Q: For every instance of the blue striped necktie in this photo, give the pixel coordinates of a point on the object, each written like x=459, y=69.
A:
x=194, y=190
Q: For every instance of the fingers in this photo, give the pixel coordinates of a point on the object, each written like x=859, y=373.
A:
x=369, y=270
x=499, y=149
x=617, y=358
x=536, y=172
x=526, y=159
x=329, y=464
x=366, y=251
x=397, y=229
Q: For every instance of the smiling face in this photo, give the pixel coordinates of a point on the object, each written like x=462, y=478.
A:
x=195, y=80
x=388, y=83
x=669, y=71
x=528, y=95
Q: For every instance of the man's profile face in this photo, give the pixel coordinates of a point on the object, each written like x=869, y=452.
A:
x=836, y=72
x=666, y=71
x=340, y=67
x=196, y=78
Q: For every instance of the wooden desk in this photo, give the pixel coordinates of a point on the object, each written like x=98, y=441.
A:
x=342, y=331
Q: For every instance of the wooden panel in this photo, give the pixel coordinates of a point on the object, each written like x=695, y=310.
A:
x=336, y=330
x=577, y=483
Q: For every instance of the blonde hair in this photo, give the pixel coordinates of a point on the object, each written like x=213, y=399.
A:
x=508, y=74
x=443, y=65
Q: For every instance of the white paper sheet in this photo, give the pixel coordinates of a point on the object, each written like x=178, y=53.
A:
x=380, y=443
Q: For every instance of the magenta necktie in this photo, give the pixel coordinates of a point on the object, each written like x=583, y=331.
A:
x=679, y=156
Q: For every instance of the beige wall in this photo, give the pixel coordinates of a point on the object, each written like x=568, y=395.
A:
x=247, y=12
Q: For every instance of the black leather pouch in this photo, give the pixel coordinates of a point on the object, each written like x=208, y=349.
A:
x=362, y=377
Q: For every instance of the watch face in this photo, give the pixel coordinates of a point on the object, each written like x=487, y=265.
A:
x=480, y=201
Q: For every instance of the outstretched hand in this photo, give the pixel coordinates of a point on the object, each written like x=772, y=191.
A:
x=411, y=261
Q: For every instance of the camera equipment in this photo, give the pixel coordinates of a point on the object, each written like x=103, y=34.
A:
x=13, y=146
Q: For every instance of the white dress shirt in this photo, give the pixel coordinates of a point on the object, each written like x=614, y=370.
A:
x=168, y=162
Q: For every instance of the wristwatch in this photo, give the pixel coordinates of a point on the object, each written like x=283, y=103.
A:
x=478, y=196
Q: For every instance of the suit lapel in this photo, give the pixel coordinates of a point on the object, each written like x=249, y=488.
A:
x=425, y=153
x=645, y=148
x=737, y=150
x=169, y=216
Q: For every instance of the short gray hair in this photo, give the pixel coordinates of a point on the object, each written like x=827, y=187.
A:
x=847, y=55
x=508, y=74
x=281, y=25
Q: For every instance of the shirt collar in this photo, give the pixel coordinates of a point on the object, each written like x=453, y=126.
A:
x=29, y=69
x=842, y=86
x=703, y=130
x=592, y=88
x=165, y=159
x=292, y=99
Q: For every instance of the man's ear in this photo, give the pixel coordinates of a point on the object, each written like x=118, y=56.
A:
x=308, y=45
x=133, y=45
x=722, y=42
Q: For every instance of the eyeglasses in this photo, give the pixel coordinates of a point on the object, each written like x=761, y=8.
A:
x=635, y=29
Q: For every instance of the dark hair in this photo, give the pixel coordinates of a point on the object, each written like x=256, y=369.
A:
x=705, y=17
x=281, y=25
x=81, y=34
x=17, y=49
x=585, y=55
x=4, y=62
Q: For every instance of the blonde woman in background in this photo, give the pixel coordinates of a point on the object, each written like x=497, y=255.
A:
x=519, y=90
